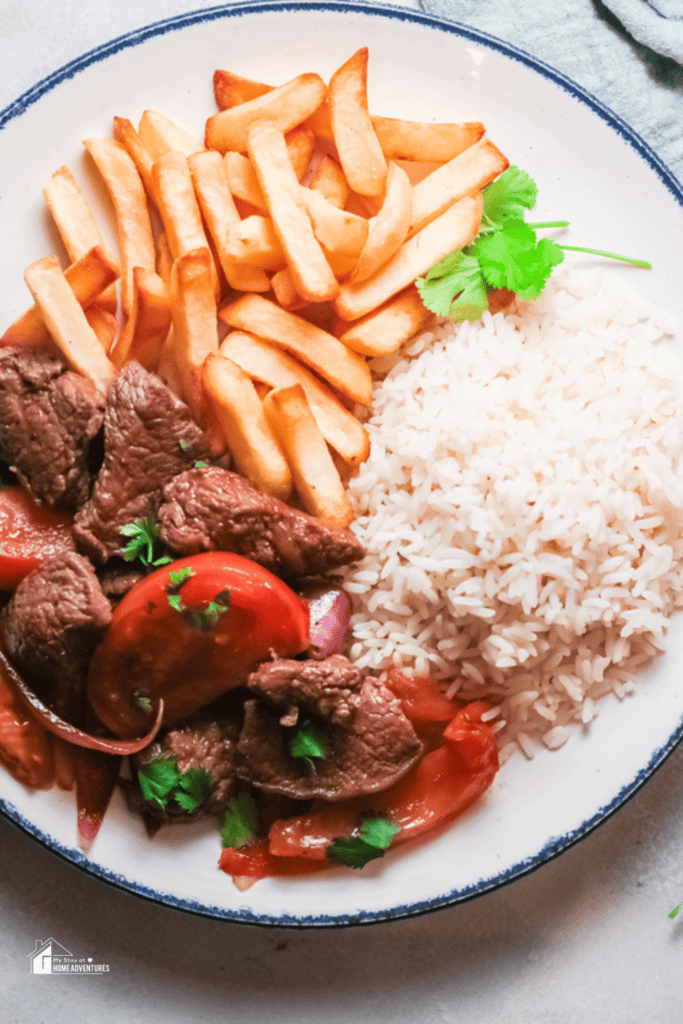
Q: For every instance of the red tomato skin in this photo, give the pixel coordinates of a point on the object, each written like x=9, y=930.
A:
x=25, y=747
x=29, y=533
x=150, y=650
x=421, y=700
x=255, y=861
x=443, y=784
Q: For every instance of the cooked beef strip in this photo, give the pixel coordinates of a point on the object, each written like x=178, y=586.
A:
x=49, y=417
x=371, y=743
x=116, y=580
x=200, y=742
x=144, y=425
x=212, y=509
x=53, y=622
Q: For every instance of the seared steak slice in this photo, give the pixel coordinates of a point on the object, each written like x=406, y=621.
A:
x=212, y=509
x=52, y=624
x=370, y=742
x=149, y=437
x=49, y=416
x=200, y=742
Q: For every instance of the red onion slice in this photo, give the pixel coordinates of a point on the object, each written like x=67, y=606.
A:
x=53, y=723
x=330, y=610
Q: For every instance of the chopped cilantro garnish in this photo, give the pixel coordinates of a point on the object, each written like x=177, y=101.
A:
x=161, y=780
x=308, y=742
x=239, y=824
x=144, y=702
x=375, y=837
x=675, y=911
x=175, y=602
x=178, y=576
x=505, y=254
x=201, y=619
x=144, y=533
x=200, y=465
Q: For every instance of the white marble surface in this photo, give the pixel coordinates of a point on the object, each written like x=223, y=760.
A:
x=584, y=939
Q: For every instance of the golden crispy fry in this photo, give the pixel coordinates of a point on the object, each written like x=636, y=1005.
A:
x=340, y=263
x=75, y=222
x=87, y=277
x=231, y=90
x=179, y=209
x=336, y=230
x=328, y=179
x=140, y=154
x=315, y=475
x=311, y=272
x=167, y=368
x=359, y=150
x=250, y=438
x=319, y=123
x=161, y=135
x=385, y=329
x=66, y=322
x=136, y=242
x=389, y=229
x=270, y=365
x=286, y=294
x=242, y=180
x=429, y=143
x=147, y=328
x=300, y=146
x=456, y=227
x=194, y=324
x=104, y=324
x=470, y=171
x=257, y=244
x=345, y=370
x=286, y=107
x=164, y=262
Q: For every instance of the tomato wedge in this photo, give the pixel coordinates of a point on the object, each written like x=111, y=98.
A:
x=255, y=861
x=152, y=651
x=29, y=533
x=421, y=699
x=442, y=785
x=25, y=748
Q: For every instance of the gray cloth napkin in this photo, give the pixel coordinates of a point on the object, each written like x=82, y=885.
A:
x=627, y=56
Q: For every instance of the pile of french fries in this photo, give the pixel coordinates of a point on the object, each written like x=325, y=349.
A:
x=300, y=225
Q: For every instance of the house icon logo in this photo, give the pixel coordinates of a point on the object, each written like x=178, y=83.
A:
x=41, y=959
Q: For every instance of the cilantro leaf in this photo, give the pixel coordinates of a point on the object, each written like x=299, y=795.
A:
x=194, y=788
x=356, y=852
x=513, y=192
x=239, y=824
x=158, y=778
x=675, y=911
x=200, y=465
x=179, y=576
x=175, y=601
x=512, y=258
x=144, y=533
x=455, y=287
x=308, y=742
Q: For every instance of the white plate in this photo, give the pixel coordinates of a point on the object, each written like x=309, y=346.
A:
x=591, y=169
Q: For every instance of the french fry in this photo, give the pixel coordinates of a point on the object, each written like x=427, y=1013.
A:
x=231, y=90
x=167, y=368
x=328, y=179
x=147, y=328
x=270, y=365
x=469, y=172
x=359, y=150
x=386, y=329
x=456, y=227
x=66, y=322
x=193, y=306
x=164, y=262
x=345, y=370
x=241, y=175
x=389, y=229
x=257, y=244
x=251, y=441
x=300, y=145
x=87, y=277
x=428, y=143
x=286, y=107
x=335, y=229
x=179, y=208
x=316, y=478
x=312, y=275
x=286, y=294
x=76, y=225
x=103, y=323
x=140, y=154
x=136, y=242
x=161, y=135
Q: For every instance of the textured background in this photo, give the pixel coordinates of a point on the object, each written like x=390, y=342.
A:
x=584, y=939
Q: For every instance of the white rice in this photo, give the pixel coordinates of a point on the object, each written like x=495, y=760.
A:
x=522, y=506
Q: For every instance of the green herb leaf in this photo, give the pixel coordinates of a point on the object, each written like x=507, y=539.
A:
x=158, y=778
x=175, y=602
x=144, y=702
x=512, y=258
x=513, y=192
x=179, y=576
x=194, y=788
x=308, y=742
x=200, y=465
x=144, y=533
x=675, y=911
x=375, y=838
x=240, y=821
x=458, y=274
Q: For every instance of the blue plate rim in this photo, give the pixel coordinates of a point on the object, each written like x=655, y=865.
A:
x=556, y=845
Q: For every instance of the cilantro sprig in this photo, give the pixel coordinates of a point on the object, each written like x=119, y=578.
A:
x=506, y=253
x=309, y=741
x=204, y=619
x=144, y=534
x=162, y=781
x=239, y=825
x=374, y=839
